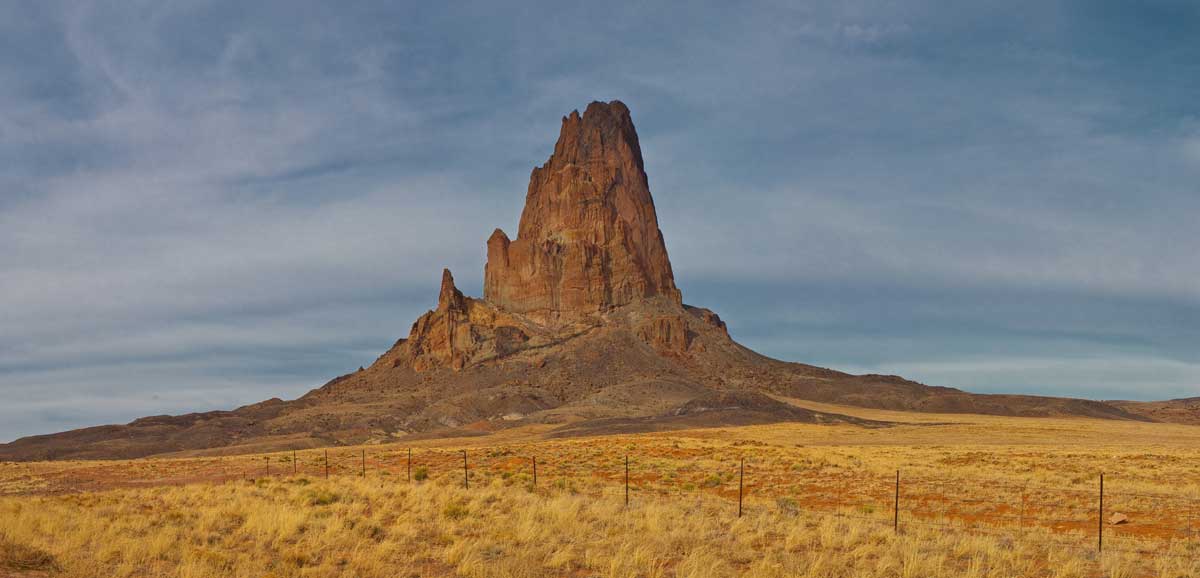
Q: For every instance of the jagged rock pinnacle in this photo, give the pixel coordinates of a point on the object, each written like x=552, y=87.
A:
x=450, y=298
x=589, y=241
x=588, y=238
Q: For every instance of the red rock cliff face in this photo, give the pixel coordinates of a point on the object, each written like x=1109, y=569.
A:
x=589, y=237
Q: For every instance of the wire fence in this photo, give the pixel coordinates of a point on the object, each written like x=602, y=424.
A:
x=1140, y=523
x=1099, y=519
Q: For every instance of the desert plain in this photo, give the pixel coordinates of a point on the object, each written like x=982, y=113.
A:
x=978, y=496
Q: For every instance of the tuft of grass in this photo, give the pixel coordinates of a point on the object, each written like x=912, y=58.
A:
x=23, y=558
x=320, y=497
x=456, y=510
x=787, y=505
x=421, y=474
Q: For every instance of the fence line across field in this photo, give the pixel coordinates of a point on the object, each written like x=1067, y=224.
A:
x=985, y=507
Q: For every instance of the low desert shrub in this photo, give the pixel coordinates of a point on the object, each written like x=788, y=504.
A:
x=787, y=505
x=320, y=497
x=22, y=558
x=456, y=510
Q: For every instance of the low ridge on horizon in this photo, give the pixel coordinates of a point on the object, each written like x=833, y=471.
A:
x=581, y=327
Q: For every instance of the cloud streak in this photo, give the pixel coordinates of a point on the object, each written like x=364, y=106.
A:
x=205, y=204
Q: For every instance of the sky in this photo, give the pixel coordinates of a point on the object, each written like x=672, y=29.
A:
x=204, y=204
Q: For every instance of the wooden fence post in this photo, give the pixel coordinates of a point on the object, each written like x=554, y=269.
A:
x=295, y=467
x=466, y=479
x=327, y=464
x=410, y=465
x=535, y=471
x=364, y=463
x=626, y=480
x=267, y=461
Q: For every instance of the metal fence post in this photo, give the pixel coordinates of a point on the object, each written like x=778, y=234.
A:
x=626, y=480
x=535, y=471
x=896, y=506
x=410, y=464
x=466, y=478
x=1100, y=522
x=295, y=467
x=327, y=464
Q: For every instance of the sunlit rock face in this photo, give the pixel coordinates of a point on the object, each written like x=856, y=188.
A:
x=589, y=237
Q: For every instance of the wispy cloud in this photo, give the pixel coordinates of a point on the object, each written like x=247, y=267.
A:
x=1093, y=377
x=207, y=203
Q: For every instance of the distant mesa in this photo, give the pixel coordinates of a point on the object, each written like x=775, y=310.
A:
x=581, y=329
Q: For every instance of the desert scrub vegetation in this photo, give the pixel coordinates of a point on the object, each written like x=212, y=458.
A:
x=372, y=528
x=18, y=557
x=1031, y=484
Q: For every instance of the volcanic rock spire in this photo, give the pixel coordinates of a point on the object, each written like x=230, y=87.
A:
x=449, y=297
x=589, y=242
x=589, y=237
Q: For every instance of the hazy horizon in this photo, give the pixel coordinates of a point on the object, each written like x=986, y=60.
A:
x=208, y=204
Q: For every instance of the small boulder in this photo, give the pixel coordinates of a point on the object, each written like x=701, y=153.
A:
x=1118, y=518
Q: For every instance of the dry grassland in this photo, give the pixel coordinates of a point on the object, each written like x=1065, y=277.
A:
x=980, y=497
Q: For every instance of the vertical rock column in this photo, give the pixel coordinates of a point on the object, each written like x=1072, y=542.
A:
x=588, y=238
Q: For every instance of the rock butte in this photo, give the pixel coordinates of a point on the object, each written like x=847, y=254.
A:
x=581, y=328
x=588, y=242
x=589, y=238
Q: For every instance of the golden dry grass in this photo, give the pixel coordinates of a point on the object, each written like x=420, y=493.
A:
x=356, y=527
x=981, y=496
